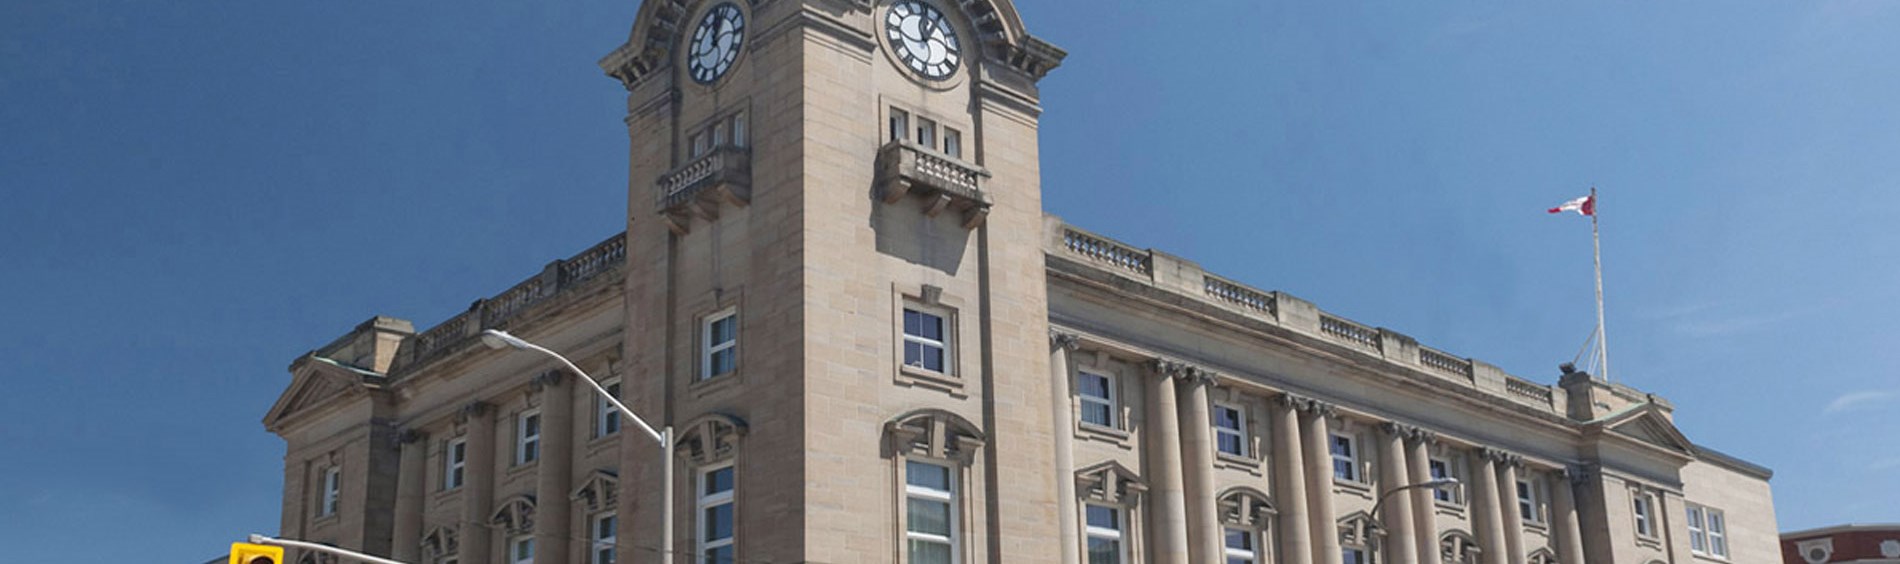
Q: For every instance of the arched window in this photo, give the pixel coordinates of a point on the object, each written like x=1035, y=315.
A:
x=710, y=444
x=1458, y=547
x=1543, y=556
x=1244, y=516
x=440, y=544
x=932, y=451
x=1356, y=532
x=1111, y=501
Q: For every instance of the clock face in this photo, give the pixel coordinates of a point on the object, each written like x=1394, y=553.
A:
x=923, y=39
x=716, y=43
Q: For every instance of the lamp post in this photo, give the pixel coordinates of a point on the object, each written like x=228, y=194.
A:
x=501, y=339
x=1373, y=518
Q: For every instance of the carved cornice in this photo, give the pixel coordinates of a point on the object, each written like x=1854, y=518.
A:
x=473, y=410
x=1065, y=341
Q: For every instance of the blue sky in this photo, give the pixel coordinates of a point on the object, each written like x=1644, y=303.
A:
x=197, y=193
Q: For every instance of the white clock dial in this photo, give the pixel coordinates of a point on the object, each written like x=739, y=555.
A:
x=923, y=39
x=715, y=44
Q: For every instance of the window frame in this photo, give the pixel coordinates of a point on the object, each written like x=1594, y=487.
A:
x=703, y=501
x=1434, y=466
x=1643, y=512
x=926, y=132
x=455, y=463
x=1239, y=431
x=899, y=122
x=947, y=497
x=607, y=420
x=1120, y=534
x=1358, y=555
x=708, y=349
x=1112, y=402
x=1352, y=457
x=1708, y=527
x=953, y=142
x=946, y=346
x=332, y=491
x=1250, y=555
x=1530, y=509
x=603, y=540
x=514, y=549
x=528, y=441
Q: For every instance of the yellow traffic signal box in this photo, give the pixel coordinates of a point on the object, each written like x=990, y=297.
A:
x=247, y=553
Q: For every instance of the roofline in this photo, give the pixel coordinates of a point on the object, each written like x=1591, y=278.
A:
x=1726, y=460
x=1849, y=527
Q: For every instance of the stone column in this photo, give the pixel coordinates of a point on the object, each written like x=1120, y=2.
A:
x=1289, y=483
x=406, y=543
x=554, y=478
x=1513, y=520
x=1399, y=546
x=1067, y=512
x=1197, y=450
x=1484, y=506
x=478, y=484
x=1162, y=440
x=1424, y=504
x=1563, y=509
x=1317, y=430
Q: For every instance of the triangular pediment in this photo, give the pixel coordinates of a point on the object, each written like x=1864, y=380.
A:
x=1648, y=425
x=316, y=381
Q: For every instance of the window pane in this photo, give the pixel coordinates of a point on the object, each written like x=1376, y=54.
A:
x=1096, y=414
x=718, y=522
x=1231, y=444
x=913, y=353
x=1104, y=551
x=932, y=326
x=1239, y=539
x=1094, y=386
x=1342, y=446
x=913, y=323
x=719, y=480
x=722, y=330
x=928, y=516
x=1342, y=469
x=927, y=475
x=720, y=555
x=952, y=143
x=1226, y=418
x=1352, y=556
x=929, y=552
x=722, y=362
x=933, y=358
x=1104, y=517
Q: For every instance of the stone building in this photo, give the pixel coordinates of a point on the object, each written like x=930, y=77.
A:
x=839, y=286
x=1853, y=543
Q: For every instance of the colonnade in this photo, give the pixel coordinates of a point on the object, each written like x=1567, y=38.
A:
x=1185, y=526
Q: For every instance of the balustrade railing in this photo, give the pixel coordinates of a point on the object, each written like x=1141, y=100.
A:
x=1445, y=363
x=1231, y=292
x=1352, y=333
x=492, y=312
x=1527, y=389
x=682, y=184
x=1103, y=250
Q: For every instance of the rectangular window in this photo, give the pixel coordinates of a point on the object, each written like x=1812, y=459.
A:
x=1345, y=458
x=1529, y=500
x=952, y=142
x=605, y=530
x=1097, y=392
x=931, y=517
x=720, y=344
x=715, y=516
x=926, y=133
x=1350, y=555
x=698, y=143
x=1441, y=469
x=1230, y=430
x=1707, y=533
x=1643, y=512
x=900, y=125
x=527, y=437
x=332, y=489
x=718, y=133
x=606, y=417
x=521, y=550
x=924, y=341
x=455, y=459
x=1104, y=528
x=1241, y=546
x=738, y=129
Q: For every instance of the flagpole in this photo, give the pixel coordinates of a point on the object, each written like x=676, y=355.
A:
x=1596, y=244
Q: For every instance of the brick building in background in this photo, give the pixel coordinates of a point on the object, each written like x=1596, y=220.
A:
x=1846, y=544
x=839, y=284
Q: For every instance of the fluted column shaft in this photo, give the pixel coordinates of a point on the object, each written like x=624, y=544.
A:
x=555, y=475
x=1513, y=519
x=1563, y=508
x=478, y=497
x=406, y=533
x=1484, y=510
x=1319, y=483
x=1067, y=513
x=1423, y=503
x=1163, y=438
x=1399, y=545
x=1197, y=450
x=1289, y=484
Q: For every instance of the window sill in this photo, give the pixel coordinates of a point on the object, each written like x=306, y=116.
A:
x=596, y=444
x=1352, y=487
x=705, y=387
x=919, y=377
x=324, y=520
x=1706, y=557
x=1649, y=541
x=522, y=468
x=1450, y=508
x=1100, y=433
x=1236, y=462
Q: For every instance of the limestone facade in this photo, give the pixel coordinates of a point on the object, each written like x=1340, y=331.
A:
x=839, y=287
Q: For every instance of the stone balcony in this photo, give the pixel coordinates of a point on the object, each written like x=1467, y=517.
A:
x=698, y=188
x=943, y=183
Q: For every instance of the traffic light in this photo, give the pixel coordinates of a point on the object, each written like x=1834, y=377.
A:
x=247, y=553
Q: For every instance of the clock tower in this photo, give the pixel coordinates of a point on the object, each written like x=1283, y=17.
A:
x=836, y=291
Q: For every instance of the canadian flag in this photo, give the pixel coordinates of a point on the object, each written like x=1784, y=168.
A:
x=1586, y=205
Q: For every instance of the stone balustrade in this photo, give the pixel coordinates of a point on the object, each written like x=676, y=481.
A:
x=1173, y=274
x=721, y=176
x=905, y=170
x=558, y=277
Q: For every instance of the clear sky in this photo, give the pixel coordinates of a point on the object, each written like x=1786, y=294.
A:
x=196, y=193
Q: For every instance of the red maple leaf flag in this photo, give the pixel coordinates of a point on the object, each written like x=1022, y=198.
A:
x=1586, y=205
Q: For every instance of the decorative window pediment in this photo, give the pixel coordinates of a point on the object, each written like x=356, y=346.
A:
x=1245, y=507
x=710, y=438
x=1110, y=483
x=1356, y=529
x=1543, y=556
x=1459, y=547
x=933, y=433
x=440, y=541
x=516, y=515
x=600, y=492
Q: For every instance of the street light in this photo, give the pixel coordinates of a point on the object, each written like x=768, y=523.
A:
x=501, y=339
x=1373, y=518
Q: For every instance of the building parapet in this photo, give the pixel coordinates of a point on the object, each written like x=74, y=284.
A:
x=555, y=279
x=1185, y=278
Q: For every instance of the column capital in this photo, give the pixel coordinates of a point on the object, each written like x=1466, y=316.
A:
x=1064, y=340
x=1305, y=404
x=1423, y=435
x=549, y=379
x=1398, y=430
x=1171, y=368
x=411, y=436
x=473, y=410
x=1502, y=456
